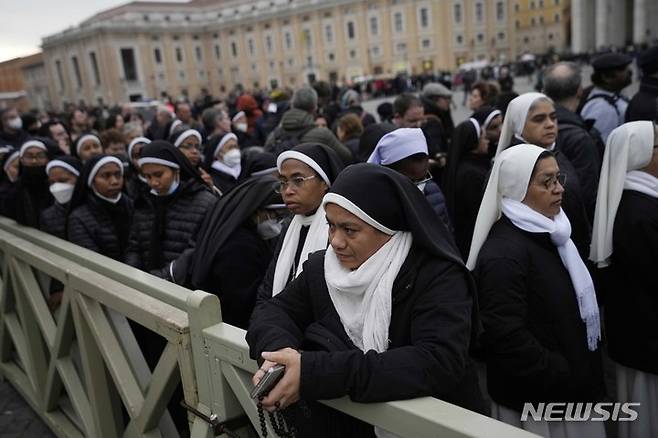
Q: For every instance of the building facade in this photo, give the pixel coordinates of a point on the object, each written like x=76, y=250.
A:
x=141, y=50
x=542, y=25
x=14, y=88
x=600, y=24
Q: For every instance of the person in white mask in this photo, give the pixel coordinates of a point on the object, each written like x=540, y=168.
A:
x=625, y=242
x=11, y=128
x=531, y=118
x=305, y=174
x=385, y=313
x=536, y=297
x=63, y=173
x=224, y=162
x=168, y=218
x=100, y=214
x=405, y=151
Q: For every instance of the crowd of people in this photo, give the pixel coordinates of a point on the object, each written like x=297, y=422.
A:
x=386, y=260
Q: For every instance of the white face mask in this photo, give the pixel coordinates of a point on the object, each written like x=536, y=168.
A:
x=241, y=127
x=62, y=192
x=271, y=108
x=269, y=229
x=232, y=158
x=16, y=123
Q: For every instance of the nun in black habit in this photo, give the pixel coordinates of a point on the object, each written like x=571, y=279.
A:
x=168, y=218
x=234, y=248
x=8, y=176
x=386, y=313
x=99, y=213
x=63, y=173
x=224, y=162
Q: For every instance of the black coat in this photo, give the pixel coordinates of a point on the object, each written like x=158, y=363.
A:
x=631, y=307
x=534, y=341
x=429, y=333
x=470, y=181
x=92, y=226
x=644, y=105
x=578, y=145
x=438, y=127
x=53, y=220
x=183, y=217
x=437, y=201
x=238, y=270
x=223, y=181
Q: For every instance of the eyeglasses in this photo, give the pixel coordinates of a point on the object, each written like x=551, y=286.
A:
x=551, y=182
x=425, y=180
x=296, y=183
x=35, y=157
x=190, y=147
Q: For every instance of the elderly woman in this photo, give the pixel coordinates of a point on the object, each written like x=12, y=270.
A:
x=626, y=241
x=224, y=162
x=531, y=118
x=385, y=313
x=537, y=300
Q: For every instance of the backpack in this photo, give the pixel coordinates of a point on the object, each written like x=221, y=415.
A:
x=284, y=141
x=588, y=96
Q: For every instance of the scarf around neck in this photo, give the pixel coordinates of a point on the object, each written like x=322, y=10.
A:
x=231, y=171
x=642, y=182
x=559, y=228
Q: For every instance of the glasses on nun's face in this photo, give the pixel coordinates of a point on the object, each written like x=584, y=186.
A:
x=295, y=183
x=550, y=182
x=34, y=158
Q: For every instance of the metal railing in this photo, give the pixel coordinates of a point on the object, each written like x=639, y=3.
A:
x=82, y=371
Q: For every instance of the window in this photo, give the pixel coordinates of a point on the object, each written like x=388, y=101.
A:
x=557, y=2
x=179, y=55
x=500, y=11
x=541, y=4
x=129, y=64
x=352, y=54
x=234, y=49
x=94, y=68
x=516, y=7
x=331, y=57
x=518, y=24
x=478, y=12
x=199, y=54
x=375, y=51
x=350, y=30
x=460, y=39
x=458, y=13
x=251, y=47
x=557, y=18
x=218, y=51
x=480, y=38
x=374, y=26
x=288, y=40
x=424, y=18
x=329, y=33
x=426, y=44
x=401, y=47
x=306, y=36
x=532, y=21
x=398, y=23
x=550, y=36
x=501, y=36
x=157, y=56
x=60, y=76
x=268, y=43
x=532, y=5
x=76, y=70
x=541, y=19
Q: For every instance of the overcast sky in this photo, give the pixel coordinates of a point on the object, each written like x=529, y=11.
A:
x=24, y=22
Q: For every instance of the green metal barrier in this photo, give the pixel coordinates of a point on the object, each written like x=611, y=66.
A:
x=79, y=366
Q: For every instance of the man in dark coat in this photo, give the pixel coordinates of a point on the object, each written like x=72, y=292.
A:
x=562, y=83
x=438, y=125
x=644, y=105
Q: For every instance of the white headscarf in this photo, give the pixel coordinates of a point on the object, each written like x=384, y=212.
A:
x=509, y=177
x=629, y=147
x=515, y=118
x=398, y=145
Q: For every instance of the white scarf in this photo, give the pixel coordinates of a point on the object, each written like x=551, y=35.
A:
x=641, y=182
x=559, y=229
x=316, y=240
x=363, y=297
x=629, y=147
x=231, y=171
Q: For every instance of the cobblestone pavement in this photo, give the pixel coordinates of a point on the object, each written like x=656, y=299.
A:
x=17, y=419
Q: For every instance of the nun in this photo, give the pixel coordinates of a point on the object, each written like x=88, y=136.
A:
x=625, y=242
x=100, y=213
x=87, y=146
x=385, y=313
x=466, y=177
x=234, y=248
x=168, y=218
x=224, y=162
x=63, y=173
x=531, y=118
x=306, y=173
x=189, y=142
x=537, y=300
x=135, y=184
x=405, y=151
x=370, y=137
x=29, y=195
x=259, y=163
x=8, y=176
x=491, y=121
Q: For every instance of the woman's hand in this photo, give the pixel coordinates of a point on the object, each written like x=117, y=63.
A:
x=286, y=392
x=206, y=178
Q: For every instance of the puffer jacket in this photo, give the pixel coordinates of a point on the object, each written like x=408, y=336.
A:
x=91, y=226
x=437, y=201
x=53, y=220
x=183, y=219
x=295, y=121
